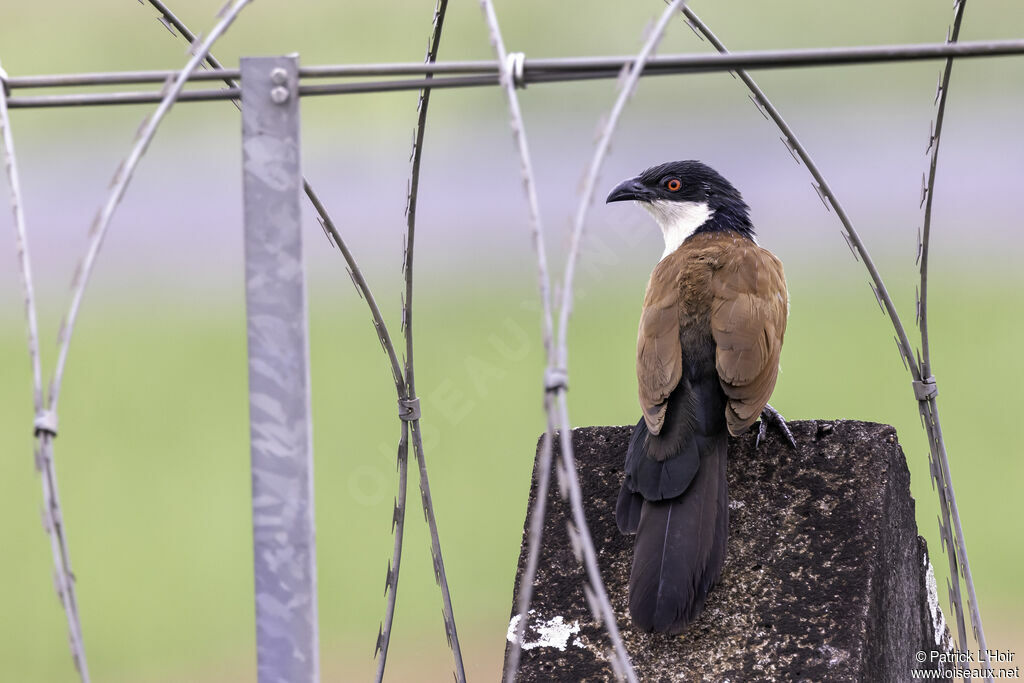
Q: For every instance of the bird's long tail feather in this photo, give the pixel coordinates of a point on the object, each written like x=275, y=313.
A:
x=680, y=546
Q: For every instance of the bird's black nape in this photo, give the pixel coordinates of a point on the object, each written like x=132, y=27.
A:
x=690, y=181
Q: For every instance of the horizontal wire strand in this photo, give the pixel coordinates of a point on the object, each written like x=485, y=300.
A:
x=483, y=74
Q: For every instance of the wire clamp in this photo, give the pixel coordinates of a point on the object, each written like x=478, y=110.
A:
x=409, y=409
x=515, y=64
x=45, y=423
x=925, y=389
x=555, y=379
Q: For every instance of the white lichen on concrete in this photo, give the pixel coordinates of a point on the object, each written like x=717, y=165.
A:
x=554, y=632
x=938, y=619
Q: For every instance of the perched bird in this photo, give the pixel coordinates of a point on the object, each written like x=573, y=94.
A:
x=711, y=330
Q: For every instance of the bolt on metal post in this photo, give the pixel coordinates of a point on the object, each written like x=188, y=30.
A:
x=279, y=94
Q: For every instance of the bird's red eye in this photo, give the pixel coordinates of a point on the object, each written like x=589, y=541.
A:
x=673, y=184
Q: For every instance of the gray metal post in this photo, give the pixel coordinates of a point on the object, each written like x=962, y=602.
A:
x=279, y=395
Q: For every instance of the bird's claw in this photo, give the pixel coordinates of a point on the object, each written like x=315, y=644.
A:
x=769, y=414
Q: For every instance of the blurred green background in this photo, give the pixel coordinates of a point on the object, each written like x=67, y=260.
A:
x=153, y=449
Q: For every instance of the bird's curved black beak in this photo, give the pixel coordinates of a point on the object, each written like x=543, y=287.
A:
x=628, y=190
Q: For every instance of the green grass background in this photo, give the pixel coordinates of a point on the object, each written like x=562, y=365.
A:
x=153, y=449
x=153, y=464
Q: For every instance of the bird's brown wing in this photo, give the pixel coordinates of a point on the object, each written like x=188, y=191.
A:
x=659, y=356
x=748, y=321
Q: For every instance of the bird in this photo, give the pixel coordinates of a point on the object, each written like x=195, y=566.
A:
x=710, y=335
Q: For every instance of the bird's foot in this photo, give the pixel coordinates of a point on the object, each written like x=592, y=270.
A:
x=769, y=414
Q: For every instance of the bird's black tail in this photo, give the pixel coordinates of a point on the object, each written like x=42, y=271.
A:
x=680, y=542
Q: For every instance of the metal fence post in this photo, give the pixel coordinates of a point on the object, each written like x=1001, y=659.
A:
x=279, y=392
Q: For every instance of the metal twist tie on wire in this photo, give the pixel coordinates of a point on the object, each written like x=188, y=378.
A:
x=409, y=409
x=515, y=63
x=555, y=379
x=925, y=389
x=46, y=423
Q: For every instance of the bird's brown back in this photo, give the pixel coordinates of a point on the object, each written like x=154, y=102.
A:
x=726, y=286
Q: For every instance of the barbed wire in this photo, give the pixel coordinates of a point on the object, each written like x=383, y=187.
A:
x=404, y=381
x=937, y=473
x=510, y=71
x=323, y=217
x=556, y=375
x=561, y=354
x=920, y=379
x=440, y=577
x=926, y=400
x=46, y=411
x=45, y=424
x=547, y=325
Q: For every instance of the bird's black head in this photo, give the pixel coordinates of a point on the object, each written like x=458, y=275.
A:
x=681, y=193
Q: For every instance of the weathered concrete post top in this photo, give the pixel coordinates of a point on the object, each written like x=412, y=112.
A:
x=825, y=577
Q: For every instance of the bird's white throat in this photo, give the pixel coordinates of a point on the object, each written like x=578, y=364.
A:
x=678, y=220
